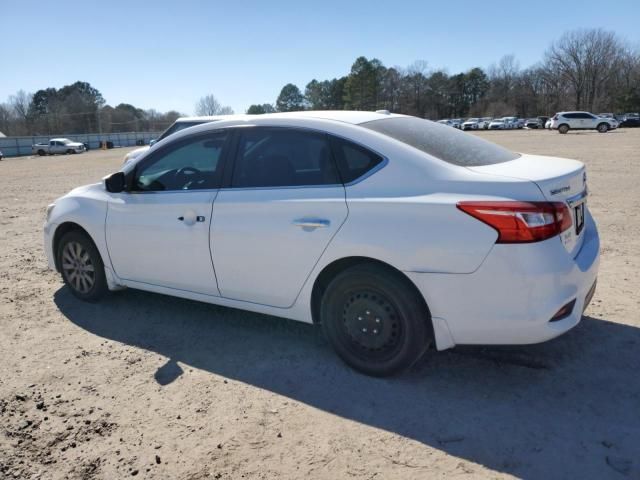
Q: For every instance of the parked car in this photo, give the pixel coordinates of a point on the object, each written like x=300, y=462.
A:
x=630, y=122
x=500, y=124
x=446, y=122
x=543, y=121
x=533, y=123
x=180, y=124
x=565, y=121
x=331, y=218
x=1, y=156
x=472, y=124
x=485, y=121
x=57, y=145
x=456, y=123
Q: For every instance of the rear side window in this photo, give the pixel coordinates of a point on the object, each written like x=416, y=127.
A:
x=283, y=157
x=441, y=141
x=353, y=160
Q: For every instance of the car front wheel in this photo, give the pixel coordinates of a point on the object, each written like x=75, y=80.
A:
x=563, y=129
x=81, y=267
x=375, y=320
x=603, y=127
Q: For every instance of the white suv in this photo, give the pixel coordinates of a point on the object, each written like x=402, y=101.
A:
x=565, y=121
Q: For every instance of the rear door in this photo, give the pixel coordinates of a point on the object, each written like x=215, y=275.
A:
x=280, y=208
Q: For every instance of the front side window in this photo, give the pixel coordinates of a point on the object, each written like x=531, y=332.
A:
x=447, y=144
x=190, y=164
x=283, y=157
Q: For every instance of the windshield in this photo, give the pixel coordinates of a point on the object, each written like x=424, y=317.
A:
x=448, y=144
x=177, y=126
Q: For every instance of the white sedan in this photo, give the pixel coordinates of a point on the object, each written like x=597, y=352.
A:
x=393, y=232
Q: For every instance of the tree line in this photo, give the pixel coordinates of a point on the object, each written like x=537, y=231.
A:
x=593, y=70
x=75, y=108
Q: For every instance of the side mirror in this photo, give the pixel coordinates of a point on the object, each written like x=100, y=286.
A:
x=115, y=183
x=152, y=142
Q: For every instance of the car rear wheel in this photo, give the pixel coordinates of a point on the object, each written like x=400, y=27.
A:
x=375, y=321
x=603, y=127
x=81, y=267
x=563, y=129
x=41, y=153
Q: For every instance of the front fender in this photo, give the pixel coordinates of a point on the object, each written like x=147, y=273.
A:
x=87, y=208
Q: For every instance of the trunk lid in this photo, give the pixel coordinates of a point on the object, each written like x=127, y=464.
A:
x=559, y=179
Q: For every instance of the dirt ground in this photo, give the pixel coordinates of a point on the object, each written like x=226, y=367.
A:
x=156, y=387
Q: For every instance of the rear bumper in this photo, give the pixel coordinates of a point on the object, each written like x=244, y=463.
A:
x=512, y=296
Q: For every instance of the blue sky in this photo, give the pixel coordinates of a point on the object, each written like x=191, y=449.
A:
x=167, y=54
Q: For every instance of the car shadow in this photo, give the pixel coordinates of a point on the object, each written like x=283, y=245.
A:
x=569, y=408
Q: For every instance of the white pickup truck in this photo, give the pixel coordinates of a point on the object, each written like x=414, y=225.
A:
x=57, y=145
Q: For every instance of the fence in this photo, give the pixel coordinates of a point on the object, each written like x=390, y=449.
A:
x=17, y=146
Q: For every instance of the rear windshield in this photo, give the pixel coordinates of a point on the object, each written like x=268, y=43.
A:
x=177, y=126
x=442, y=141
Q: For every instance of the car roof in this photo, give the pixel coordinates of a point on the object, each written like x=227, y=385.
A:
x=57, y=139
x=347, y=116
x=206, y=118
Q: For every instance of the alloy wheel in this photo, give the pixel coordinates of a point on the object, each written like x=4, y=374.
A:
x=78, y=267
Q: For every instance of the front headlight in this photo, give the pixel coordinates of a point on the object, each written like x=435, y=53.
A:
x=49, y=210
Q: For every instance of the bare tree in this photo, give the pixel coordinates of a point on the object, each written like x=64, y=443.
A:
x=585, y=60
x=20, y=103
x=209, y=105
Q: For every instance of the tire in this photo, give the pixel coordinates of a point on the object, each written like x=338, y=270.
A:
x=375, y=321
x=42, y=153
x=564, y=128
x=70, y=151
x=603, y=128
x=82, y=267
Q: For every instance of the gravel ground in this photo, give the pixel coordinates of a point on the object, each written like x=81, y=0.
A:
x=156, y=387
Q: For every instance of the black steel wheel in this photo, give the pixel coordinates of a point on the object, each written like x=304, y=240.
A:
x=375, y=320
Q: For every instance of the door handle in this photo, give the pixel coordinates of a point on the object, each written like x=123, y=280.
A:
x=190, y=217
x=308, y=224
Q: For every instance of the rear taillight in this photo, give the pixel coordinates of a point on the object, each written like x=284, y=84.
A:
x=521, y=222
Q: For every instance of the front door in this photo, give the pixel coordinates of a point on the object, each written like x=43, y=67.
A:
x=274, y=220
x=158, y=232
